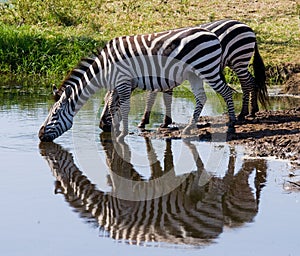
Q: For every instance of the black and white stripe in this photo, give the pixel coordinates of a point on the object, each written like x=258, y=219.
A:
x=239, y=45
x=238, y=42
x=155, y=62
x=189, y=214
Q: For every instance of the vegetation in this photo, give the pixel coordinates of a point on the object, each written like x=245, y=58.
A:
x=48, y=37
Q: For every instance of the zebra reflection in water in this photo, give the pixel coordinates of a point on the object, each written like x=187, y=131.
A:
x=190, y=214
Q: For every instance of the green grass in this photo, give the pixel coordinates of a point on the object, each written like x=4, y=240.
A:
x=36, y=51
x=47, y=38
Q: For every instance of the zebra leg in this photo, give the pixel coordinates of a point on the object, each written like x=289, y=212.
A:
x=110, y=111
x=253, y=102
x=226, y=93
x=245, y=104
x=124, y=91
x=249, y=89
x=149, y=104
x=200, y=97
x=167, y=96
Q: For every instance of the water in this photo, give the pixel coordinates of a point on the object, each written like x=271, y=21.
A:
x=203, y=198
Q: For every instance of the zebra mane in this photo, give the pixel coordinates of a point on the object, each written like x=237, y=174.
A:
x=80, y=66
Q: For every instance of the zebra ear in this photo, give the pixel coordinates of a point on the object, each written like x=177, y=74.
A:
x=54, y=89
x=55, y=92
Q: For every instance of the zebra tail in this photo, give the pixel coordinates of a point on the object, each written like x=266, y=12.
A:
x=260, y=78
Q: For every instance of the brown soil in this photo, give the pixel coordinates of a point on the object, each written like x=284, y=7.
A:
x=269, y=134
x=272, y=133
x=284, y=73
x=292, y=85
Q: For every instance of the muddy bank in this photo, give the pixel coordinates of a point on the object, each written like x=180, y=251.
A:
x=269, y=134
x=285, y=74
x=292, y=85
x=272, y=133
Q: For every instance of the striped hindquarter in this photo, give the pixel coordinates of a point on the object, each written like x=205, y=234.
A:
x=189, y=214
x=239, y=45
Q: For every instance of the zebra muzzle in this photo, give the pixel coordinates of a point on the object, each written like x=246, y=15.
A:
x=105, y=126
x=44, y=137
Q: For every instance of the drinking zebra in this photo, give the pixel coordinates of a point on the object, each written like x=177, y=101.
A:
x=239, y=44
x=189, y=214
x=155, y=62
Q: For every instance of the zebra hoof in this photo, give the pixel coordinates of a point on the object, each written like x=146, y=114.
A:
x=231, y=128
x=104, y=127
x=241, y=117
x=164, y=125
x=253, y=111
x=141, y=125
x=253, y=114
x=167, y=121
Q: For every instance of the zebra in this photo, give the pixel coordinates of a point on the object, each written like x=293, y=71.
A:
x=189, y=214
x=154, y=62
x=239, y=44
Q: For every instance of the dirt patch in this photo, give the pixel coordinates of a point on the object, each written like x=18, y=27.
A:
x=272, y=133
x=269, y=134
x=286, y=74
x=292, y=85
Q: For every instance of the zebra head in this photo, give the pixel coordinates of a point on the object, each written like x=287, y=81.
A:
x=111, y=107
x=60, y=117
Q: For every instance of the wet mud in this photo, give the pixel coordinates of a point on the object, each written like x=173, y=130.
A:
x=270, y=134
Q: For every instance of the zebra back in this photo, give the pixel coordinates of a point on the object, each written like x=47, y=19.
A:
x=236, y=39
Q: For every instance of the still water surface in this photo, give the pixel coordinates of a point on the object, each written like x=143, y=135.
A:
x=84, y=195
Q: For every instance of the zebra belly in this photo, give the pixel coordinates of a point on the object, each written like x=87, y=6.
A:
x=156, y=83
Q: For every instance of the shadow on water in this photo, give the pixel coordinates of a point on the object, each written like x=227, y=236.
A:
x=191, y=209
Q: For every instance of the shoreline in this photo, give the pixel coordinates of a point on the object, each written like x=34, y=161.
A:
x=269, y=134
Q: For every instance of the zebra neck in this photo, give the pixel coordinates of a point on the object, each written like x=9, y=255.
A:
x=85, y=79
